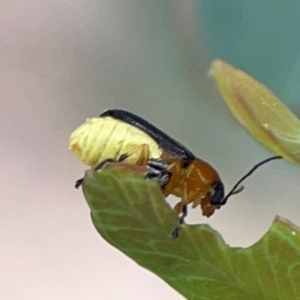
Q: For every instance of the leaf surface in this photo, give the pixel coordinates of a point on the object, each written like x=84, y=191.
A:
x=131, y=214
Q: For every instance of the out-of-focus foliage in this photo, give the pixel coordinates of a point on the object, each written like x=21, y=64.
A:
x=259, y=110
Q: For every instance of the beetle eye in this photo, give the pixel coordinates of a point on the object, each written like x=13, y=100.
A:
x=218, y=194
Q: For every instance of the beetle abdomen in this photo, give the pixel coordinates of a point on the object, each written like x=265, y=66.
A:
x=105, y=137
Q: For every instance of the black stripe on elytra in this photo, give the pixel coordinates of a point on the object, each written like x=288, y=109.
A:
x=163, y=140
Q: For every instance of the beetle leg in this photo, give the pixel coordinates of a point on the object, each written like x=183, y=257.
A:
x=160, y=170
x=168, y=186
x=79, y=182
x=162, y=177
x=103, y=163
x=165, y=171
x=152, y=174
x=181, y=209
x=144, y=154
x=143, y=157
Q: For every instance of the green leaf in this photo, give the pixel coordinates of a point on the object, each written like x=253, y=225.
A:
x=131, y=214
x=259, y=110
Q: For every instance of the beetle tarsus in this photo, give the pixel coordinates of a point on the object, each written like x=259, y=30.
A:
x=103, y=163
x=123, y=157
x=175, y=232
x=151, y=175
x=78, y=183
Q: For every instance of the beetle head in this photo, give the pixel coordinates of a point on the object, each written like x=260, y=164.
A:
x=217, y=197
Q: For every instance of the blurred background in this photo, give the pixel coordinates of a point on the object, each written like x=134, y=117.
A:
x=64, y=61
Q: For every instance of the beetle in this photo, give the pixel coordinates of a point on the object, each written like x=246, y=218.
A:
x=119, y=135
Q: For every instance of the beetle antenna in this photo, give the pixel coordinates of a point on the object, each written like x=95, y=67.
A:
x=236, y=189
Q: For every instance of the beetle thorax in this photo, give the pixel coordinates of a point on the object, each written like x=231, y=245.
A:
x=195, y=184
